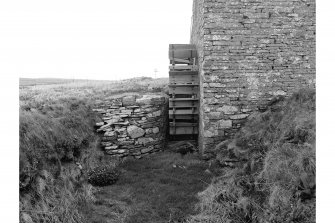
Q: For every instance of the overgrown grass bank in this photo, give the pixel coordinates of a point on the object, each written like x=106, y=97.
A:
x=58, y=145
x=52, y=140
x=271, y=177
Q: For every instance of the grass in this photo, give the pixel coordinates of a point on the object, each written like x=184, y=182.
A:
x=161, y=188
x=273, y=176
x=56, y=132
x=273, y=179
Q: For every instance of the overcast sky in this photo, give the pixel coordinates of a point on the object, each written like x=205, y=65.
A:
x=100, y=39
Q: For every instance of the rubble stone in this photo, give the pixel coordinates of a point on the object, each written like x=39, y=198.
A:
x=135, y=132
x=133, y=128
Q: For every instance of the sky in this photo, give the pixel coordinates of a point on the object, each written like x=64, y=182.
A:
x=101, y=39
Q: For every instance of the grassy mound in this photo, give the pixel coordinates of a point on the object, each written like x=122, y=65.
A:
x=58, y=145
x=52, y=138
x=273, y=174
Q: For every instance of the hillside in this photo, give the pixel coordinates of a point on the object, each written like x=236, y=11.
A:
x=265, y=174
x=58, y=143
x=269, y=167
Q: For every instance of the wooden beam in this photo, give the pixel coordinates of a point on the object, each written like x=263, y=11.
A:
x=183, y=130
x=183, y=112
x=184, y=67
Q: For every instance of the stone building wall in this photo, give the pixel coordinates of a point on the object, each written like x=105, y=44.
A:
x=249, y=51
x=133, y=125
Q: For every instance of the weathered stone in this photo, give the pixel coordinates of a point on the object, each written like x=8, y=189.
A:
x=147, y=149
x=149, y=125
x=114, y=147
x=98, y=124
x=223, y=124
x=279, y=92
x=211, y=132
x=120, y=130
x=148, y=131
x=156, y=113
x=121, y=151
x=149, y=99
x=135, y=132
x=227, y=109
x=110, y=133
x=104, y=127
x=127, y=111
x=240, y=116
x=214, y=115
x=99, y=110
x=155, y=130
x=122, y=123
x=112, y=121
x=108, y=138
x=143, y=140
x=133, y=107
x=217, y=85
x=106, y=144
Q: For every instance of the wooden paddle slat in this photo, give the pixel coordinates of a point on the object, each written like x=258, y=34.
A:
x=183, y=130
x=182, y=112
x=185, y=72
x=184, y=67
x=192, y=90
x=184, y=99
x=183, y=117
x=180, y=104
x=183, y=124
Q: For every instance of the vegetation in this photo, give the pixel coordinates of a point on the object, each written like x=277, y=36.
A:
x=267, y=173
x=158, y=189
x=273, y=179
x=58, y=145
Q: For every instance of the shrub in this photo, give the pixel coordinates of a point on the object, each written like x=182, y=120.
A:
x=103, y=175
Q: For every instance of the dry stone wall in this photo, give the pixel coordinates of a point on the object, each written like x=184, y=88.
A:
x=249, y=51
x=133, y=125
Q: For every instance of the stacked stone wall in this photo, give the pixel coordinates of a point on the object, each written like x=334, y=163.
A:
x=133, y=125
x=249, y=52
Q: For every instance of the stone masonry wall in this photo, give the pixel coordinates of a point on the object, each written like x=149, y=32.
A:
x=133, y=125
x=249, y=51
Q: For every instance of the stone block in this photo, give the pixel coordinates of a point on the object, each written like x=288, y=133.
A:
x=227, y=109
x=114, y=147
x=223, y=124
x=144, y=140
x=156, y=113
x=239, y=116
x=110, y=133
x=211, y=132
x=155, y=130
x=135, y=132
x=146, y=150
